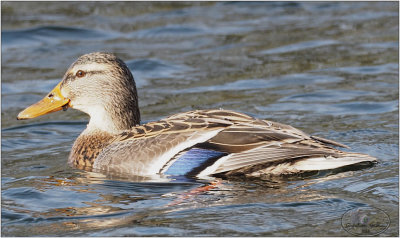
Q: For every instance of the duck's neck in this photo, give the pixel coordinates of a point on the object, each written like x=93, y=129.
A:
x=112, y=123
x=114, y=118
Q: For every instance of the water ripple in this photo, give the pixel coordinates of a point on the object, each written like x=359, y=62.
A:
x=145, y=69
x=50, y=34
x=299, y=46
x=327, y=96
x=288, y=81
x=368, y=70
x=168, y=31
x=348, y=108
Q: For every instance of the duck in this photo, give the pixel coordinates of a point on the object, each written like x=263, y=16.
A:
x=197, y=143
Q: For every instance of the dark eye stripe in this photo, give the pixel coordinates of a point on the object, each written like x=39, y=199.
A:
x=71, y=77
x=96, y=72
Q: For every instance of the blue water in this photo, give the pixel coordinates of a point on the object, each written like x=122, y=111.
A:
x=329, y=68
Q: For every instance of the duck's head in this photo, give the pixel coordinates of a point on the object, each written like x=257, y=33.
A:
x=99, y=84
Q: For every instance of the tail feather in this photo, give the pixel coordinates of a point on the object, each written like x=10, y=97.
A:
x=316, y=164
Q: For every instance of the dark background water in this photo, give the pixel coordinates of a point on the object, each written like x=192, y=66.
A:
x=329, y=68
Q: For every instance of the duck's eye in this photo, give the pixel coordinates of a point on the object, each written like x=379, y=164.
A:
x=80, y=73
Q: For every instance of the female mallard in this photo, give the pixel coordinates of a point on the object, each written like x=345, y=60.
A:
x=199, y=143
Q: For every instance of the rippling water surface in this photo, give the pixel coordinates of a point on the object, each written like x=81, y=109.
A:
x=330, y=69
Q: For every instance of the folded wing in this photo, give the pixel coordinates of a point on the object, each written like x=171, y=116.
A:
x=207, y=142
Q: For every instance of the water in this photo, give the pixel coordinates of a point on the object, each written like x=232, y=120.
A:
x=328, y=68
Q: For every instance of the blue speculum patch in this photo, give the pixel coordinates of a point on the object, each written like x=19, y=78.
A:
x=194, y=161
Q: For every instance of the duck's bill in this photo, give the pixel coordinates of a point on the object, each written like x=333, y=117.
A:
x=53, y=102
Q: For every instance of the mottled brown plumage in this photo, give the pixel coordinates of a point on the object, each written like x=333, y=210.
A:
x=86, y=148
x=101, y=85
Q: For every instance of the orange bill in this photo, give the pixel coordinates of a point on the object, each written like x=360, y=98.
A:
x=53, y=102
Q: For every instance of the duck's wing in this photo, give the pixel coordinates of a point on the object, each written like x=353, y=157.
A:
x=210, y=142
